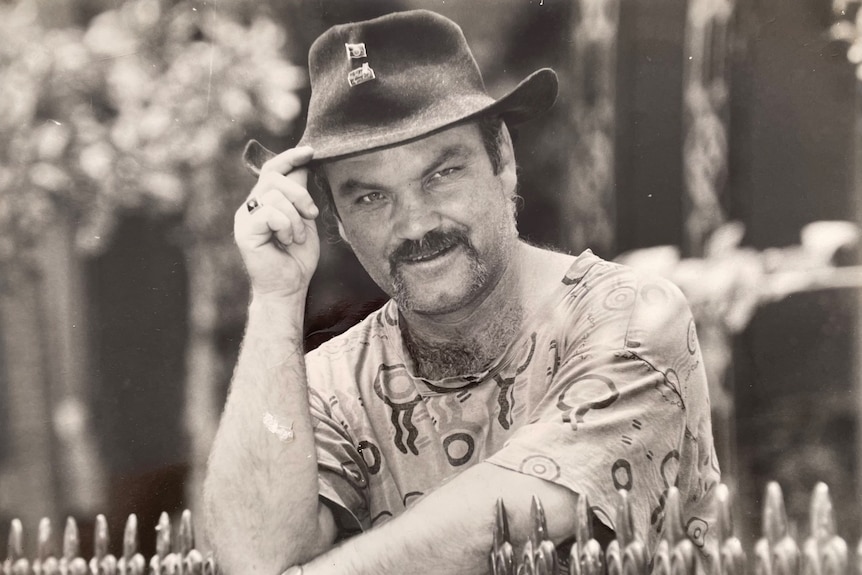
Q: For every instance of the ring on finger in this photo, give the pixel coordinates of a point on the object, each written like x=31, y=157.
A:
x=252, y=205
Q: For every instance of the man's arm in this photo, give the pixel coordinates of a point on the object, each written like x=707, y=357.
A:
x=450, y=531
x=261, y=489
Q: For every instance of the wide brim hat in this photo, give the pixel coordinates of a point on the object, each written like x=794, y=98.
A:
x=397, y=78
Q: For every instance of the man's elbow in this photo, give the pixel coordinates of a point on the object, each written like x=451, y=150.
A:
x=242, y=543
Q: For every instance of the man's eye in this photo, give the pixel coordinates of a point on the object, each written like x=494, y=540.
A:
x=370, y=198
x=445, y=172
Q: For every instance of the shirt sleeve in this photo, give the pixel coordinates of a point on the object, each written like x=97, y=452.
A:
x=617, y=412
x=342, y=472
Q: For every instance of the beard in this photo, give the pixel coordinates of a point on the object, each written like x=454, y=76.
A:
x=435, y=242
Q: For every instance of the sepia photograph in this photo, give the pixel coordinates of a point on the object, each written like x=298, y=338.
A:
x=444, y=287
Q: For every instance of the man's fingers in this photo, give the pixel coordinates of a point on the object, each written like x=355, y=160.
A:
x=288, y=160
x=294, y=192
x=256, y=229
x=276, y=199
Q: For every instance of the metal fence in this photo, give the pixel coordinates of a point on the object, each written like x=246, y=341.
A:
x=777, y=552
x=174, y=555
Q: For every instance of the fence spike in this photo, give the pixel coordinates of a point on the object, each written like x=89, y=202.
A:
x=528, y=558
x=131, y=562
x=501, y=527
x=538, y=523
x=101, y=539
x=102, y=562
x=774, y=514
x=725, y=513
x=585, y=556
x=186, y=539
x=44, y=539
x=731, y=555
x=15, y=548
x=775, y=553
x=71, y=540
x=625, y=520
x=130, y=537
x=583, y=522
x=824, y=552
x=45, y=563
x=502, y=553
x=674, y=530
x=822, y=517
x=163, y=536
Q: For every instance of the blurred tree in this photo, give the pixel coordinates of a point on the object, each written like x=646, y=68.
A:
x=145, y=112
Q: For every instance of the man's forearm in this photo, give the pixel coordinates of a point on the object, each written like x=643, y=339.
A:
x=262, y=489
x=450, y=531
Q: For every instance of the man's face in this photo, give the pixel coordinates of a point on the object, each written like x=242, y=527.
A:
x=429, y=221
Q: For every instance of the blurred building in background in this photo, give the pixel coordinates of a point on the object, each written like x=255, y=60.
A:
x=697, y=138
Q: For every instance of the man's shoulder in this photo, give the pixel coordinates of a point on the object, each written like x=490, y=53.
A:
x=591, y=272
x=373, y=331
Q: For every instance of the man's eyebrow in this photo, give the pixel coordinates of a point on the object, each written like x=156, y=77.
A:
x=446, y=154
x=352, y=185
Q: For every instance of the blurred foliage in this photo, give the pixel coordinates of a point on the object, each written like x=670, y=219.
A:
x=126, y=115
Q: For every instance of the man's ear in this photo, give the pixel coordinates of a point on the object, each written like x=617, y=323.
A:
x=508, y=167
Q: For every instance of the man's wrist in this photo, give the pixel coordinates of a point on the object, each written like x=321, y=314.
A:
x=278, y=312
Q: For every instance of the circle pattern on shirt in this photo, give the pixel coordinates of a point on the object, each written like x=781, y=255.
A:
x=465, y=440
x=367, y=448
x=621, y=472
x=582, y=394
x=541, y=466
x=696, y=529
x=654, y=294
x=619, y=298
x=691, y=337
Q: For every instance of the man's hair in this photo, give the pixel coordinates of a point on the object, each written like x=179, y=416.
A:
x=493, y=138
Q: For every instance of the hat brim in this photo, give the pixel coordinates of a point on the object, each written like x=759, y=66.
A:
x=530, y=98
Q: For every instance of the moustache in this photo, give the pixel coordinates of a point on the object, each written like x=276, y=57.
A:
x=430, y=244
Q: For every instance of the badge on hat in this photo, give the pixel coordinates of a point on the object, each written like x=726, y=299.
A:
x=355, y=51
x=360, y=75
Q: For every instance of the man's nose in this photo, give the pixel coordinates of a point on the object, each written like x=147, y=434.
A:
x=415, y=215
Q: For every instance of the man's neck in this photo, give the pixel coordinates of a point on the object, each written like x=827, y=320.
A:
x=469, y=340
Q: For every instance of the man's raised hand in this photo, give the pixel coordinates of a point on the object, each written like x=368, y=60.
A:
x=275, y=228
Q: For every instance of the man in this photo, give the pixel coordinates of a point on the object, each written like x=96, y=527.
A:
x=497, y=370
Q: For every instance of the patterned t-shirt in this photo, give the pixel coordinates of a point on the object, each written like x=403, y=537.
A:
x=604, y=389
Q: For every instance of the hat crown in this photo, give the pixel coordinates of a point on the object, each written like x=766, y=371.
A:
x=401, y=76
x=419, y=59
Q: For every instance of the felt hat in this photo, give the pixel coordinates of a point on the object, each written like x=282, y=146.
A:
x=396, y=78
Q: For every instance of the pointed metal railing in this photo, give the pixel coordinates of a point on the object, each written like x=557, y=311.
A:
x=777, y=552
x=175, y=555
